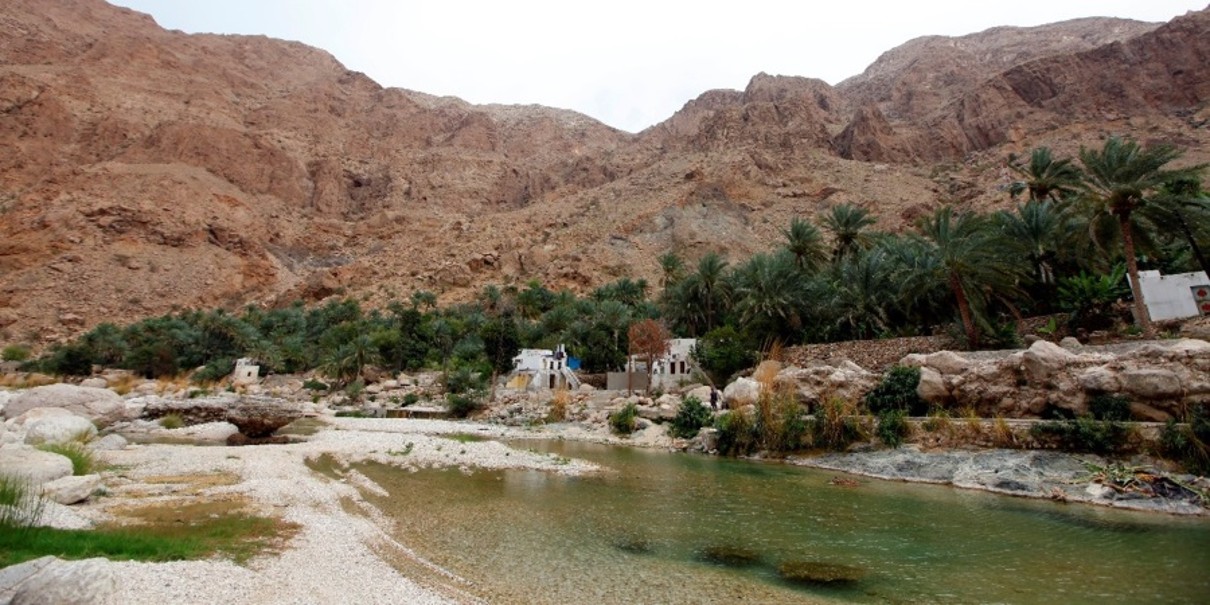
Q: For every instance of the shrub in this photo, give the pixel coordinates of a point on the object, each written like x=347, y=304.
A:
x=779, y=427
x=722, y=352
x=736, y=433
x=214, y=371
x=172, y=421
x=892, y=427
x=462, y=380
x=20, y=504
x=690, y=418
x=1086, y=434
x=83, y=462
x=462, y=405
x=625, y=420
x=15, y=353
x=1109, y=407
x=1189, y=443
x=410, y=399
x=897, y=391
x=355, y=389
x=1090, y=298
x=558, y=406
x=834, y=426
x=315, y=385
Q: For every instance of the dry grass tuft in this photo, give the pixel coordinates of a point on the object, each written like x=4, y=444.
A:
x=558, y=405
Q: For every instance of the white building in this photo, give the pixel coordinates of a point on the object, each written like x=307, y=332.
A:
x=676, y=366
x=535, y=369
x=246, y=371
x=1175, y=296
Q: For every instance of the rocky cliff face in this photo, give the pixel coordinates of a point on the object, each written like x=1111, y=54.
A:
x=145, y=170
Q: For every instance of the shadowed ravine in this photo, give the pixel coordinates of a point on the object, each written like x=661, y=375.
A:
x=640, y=536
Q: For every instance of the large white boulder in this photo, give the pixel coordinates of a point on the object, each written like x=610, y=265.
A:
x=102, y=406
x=59, y=429
x=946, y=362
x=931, y=387
x=34, y=465
x=1151, y=383
x=53, y=581
x=1044, y=359
x=72, y=489
x=743, y=391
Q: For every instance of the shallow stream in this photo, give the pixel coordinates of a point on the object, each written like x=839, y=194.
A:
x=639, y=534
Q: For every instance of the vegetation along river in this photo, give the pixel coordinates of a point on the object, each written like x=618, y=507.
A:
x=655, y=530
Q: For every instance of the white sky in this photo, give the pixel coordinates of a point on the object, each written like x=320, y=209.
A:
x=628, y=63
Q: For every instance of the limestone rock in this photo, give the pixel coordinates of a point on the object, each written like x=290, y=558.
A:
x=932, y=387
x=102, y=406
x=53, y=581
x=107, y=443
x=59, y=430
x=34, y=465
x=742, y=391
x=1100, y=379
x=73, y=489
x=1044, y=359
x=946, y=362
x=1151, y=383
x=1071, y=343
x=94, y=383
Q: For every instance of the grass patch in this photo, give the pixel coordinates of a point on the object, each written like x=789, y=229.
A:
x=20, y=505
x=327, y=465
x=167, y=532
x=465, y=437
x=83, y=462
x=172, y=421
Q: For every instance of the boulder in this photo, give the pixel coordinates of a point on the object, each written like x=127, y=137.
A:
x=34, y=465
x=1045, y=359
x=1190, y=346
x=261, y=417
x=742, y=391
x=94, y=383
x=932, y=387
x=702, y=393
x=59, y=429
x=947, y=362
x=1151, y=383
x=1198, y=328
x=1071, y=343
x=108, y=443
x=72, y=489
x=207, y=432
x=53, y=581
x=1100, y=379
x=102, y=406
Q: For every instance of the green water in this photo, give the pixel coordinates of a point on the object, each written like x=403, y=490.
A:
x=636, y=536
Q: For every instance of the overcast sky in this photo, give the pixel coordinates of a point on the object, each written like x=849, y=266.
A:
x=628, y=63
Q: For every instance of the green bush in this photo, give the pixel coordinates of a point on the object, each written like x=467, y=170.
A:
x=15, y=353
x=625, y=420
x=214, y=371
x=462, y=405
x=83, y=462
x=463, y=379
x=1086, y=434
x=1189, y=443
x=722, y=352
x=779, y=425
x=172, y=421
x=892, y=427
x=690, y=418
x=20, y=504
x=1110, y=407
x=410, y=399
x=897, y=391
x=835, y=426
x=736, y=433
x=1090, y=298
x=315, y=385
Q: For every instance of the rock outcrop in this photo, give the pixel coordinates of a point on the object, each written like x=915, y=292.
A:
x=1160, y=379
x=102, y=406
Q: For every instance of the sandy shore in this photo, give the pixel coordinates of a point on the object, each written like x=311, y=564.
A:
x=337, y=556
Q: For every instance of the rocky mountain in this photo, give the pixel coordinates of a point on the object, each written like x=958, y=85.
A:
x=145, y=170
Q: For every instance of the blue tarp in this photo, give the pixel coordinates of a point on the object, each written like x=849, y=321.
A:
x=573, y=363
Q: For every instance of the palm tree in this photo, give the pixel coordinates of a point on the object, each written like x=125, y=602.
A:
x=1043, y=227
x=1045, y=178
x=708, y=289
x=972, y=259
x=1179, y=201
x=846, y=223
x=1119, y=179
x=768, y=296
x=804, y=241
x=672, y=267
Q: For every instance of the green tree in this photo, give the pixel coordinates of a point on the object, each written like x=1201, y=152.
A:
x=672, y=269
x=848, y=223
x=972, y=260
x=1044, y=177
x=769, y=296
x=1119, y=179
x=805, y=242
x=1182, y=207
